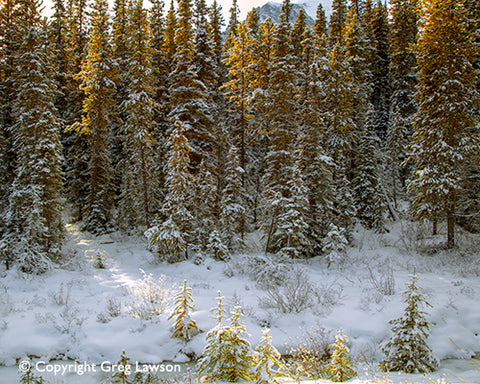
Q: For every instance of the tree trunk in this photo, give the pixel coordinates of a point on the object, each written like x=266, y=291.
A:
x=451, y=220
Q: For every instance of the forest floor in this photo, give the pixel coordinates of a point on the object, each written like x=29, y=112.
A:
x=80, y=312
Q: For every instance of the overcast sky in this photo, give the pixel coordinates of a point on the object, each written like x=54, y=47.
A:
x=244, y=5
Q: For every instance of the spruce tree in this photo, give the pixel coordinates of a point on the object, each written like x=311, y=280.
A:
x=98, y=84
x=36, y=206
x=320, y=26
x=170, y=238
x=446, y=136
x=233, y=202
x=139, y=179
x=268, y=365
x=407, y=348
x=340, y=133
x=184, y=327
x=228, y=354
x=170, y=44
x=188, y=100
x=280, y=159
x=75, y=148
x=381, y=82
x=8, y=45
x=337, y=22
x=340, y=367
x=403, y=70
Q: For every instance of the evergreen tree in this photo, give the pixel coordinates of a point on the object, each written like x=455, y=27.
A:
x=291, y=227
x=228, y=354
x=185, y=326
x=320, y=26
x=407, y=349
x=120, y=56
x=297, y=34
x=381, y=82
x=36, y=207
x=121, y=376
x=403, y=65
x=205, y=207
x=58, y=44
x=340, y=133
x=98, y=84
x=233, y=202
x=170, y=44
x=337, y=22
x=369, y=199
x=280, y=159
x=139, y=179
x=340, y=367
x=8, y=45
x=75, y=148
x=238, y=89
x=446, y=135
x=188, y=92
x=267, y=357
x=171, y=238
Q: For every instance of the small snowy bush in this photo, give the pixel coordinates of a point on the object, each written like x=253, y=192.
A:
x=6, y=304
x=382, y=281
x=311, y=355
x=62, y=297
x=149, y=297
x=264, y=270
x=407, y=349
x=296, y=293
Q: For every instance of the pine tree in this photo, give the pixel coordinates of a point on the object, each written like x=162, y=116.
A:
x=120, y=56
x=36, y=207
x=238, y=88
x=58, y=44
x=337, y=22
x=121, y=376
x=139, y=179
x=8, y=45
x=185, y=326
x=445, y=136
x=98, y=84
x=75, y=148
x=369, y=199
x=216, y=246
x=188, y=92
x=340, y=367
x=381, y=84
x=320, y=26
x=340, y=133
x=280, y=157
x=291, y=226
x=335, y=244
x=403, y=65
x=170, y=44
x=297, y=34
x=171, y=238
x=228, y=354
x=266, y=358
x=206, y=206
x=233, y=202
x=407, y=349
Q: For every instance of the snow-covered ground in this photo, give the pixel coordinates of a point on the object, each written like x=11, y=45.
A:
x=83, y=313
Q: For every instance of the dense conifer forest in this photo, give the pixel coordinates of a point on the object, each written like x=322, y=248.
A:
x=173, y=122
